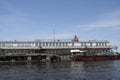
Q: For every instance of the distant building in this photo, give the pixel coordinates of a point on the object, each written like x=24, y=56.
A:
x=60, y=46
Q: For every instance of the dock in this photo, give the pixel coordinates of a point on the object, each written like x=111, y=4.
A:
x=50, y=50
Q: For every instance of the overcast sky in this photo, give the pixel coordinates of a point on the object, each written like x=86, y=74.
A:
x=39, y=19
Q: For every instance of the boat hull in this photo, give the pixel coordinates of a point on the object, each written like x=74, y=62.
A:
x=95, y=58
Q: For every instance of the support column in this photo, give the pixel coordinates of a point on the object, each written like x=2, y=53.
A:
x=48, y=57
x=29, y=58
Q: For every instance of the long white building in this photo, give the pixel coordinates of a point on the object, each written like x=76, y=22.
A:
x=60, y=46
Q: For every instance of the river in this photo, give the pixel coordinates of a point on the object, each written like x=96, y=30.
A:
x=64, y=70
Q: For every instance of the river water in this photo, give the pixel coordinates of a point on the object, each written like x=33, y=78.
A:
x=68, y=70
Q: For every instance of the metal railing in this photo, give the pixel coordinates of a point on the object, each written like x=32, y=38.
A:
x=55, y=47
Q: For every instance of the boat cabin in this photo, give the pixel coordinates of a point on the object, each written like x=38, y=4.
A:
x=78, y=52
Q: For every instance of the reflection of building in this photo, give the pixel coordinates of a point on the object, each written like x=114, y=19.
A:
x=53, y=46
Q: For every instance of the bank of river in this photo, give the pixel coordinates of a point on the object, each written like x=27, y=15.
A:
x=63, y=70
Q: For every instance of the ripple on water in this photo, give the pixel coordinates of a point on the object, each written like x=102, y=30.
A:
x=69, y=70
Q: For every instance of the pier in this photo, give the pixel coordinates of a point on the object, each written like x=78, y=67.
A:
x=47, y=50
x=32, y=57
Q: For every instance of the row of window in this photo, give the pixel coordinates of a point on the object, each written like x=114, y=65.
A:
x=94, y=44
x=51, y=44
x=100, y=51
x=54, y=44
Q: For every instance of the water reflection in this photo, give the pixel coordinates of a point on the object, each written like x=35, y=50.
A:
x=69, y=70
x=92, y=70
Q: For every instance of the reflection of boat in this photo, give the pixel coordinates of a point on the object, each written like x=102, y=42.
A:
x=83, y=56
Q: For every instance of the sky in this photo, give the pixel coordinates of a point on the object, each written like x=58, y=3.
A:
x=41, y=19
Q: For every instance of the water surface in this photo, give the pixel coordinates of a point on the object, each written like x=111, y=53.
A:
x=68, y=70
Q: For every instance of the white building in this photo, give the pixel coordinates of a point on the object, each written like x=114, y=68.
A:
x=53, y=46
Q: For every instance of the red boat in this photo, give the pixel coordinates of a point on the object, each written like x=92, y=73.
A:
x=83, y=56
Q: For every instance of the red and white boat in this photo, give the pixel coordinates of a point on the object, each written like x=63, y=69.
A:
x=83, y=56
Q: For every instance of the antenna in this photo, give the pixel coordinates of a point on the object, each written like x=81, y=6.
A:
x=54, y=34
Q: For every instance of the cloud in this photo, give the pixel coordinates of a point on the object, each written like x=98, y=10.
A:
x=16, y=23
x=13, y=20
x=109, y=20
x=63, y=35
x=10, y=8
x=49, y=36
